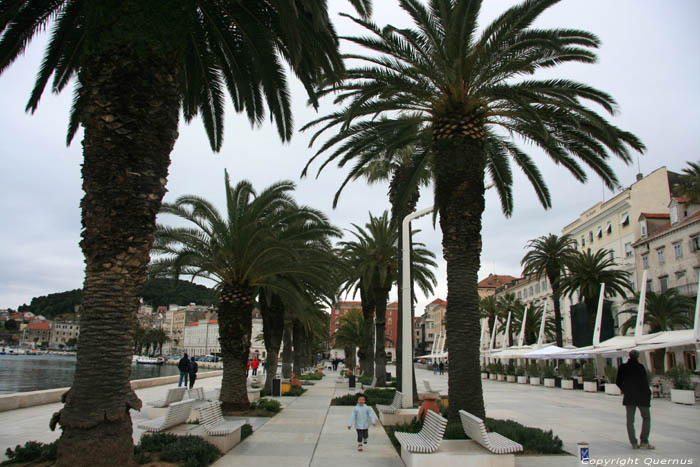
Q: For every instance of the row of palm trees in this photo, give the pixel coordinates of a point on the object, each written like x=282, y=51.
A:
x=453, y=91
x=147, y=341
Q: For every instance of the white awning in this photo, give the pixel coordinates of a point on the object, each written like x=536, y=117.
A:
x=669, y=339
x=512, y=352
x=625, y=219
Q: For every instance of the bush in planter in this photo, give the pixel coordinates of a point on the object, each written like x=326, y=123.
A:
x=546, y=371
x=680, y=378
x=266, y=404
x=191, y=451
x=588, y=372
x=520, y=371
x=566, y=371
x=498, y=368
x=611, y=374
x=510, y=369
x=534, y=371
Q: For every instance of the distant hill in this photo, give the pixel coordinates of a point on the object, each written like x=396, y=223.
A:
x=156, y=292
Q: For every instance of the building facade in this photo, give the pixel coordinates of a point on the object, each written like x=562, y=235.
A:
x=434, y=319
x=390, y=330
x=36, y=334
x=62, y=332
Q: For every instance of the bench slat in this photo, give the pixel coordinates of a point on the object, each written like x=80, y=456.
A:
x=475, y=428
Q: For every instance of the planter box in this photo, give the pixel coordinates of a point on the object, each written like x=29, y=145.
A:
x=522, y=379
x=590, y=386
x=534, y=381
x=549, y=382
x=501, y=377
x=683, y=396
x=484, y=376
x=510, y=378
x=612, y=389
x=492, y=377
x=567, y=383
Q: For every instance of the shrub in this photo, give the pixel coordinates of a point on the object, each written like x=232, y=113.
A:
x=534, y=371
x=365, y=379
x=510, y=369
x=588, y=372
x=566, y=371
x=534, y=440
x=186, y=451
x=374, y=396
x=680, y=377
x=311, y=377
x=520, y=370
x=295, y=392
x=610, y=374
x=266, y=404
x=455, y=431
x=498, y=368
x=546, y=371
x=32, y=451
x=246, y=430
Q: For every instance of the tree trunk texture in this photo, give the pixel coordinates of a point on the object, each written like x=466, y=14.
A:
x=287, y=345
x=556, y=297
x=399, y=179
x=380, y=322
x=459, y=182
x=298, y=337
x=235, y=328
x=367, y=350
x=273, y=329
x=129, y=110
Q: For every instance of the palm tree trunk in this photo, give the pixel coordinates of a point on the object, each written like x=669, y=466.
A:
x=235, y=328
x=459, y=190
x=298, y=337
x=287, y=346
x=556, y=297
x=367, y=351
x=380, y=322
x=129, y=110
x=273, y=329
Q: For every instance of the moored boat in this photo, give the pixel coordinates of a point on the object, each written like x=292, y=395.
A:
x=150, y=360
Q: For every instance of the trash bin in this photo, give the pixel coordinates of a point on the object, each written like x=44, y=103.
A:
x=276, y=387
x=351, y=381
x=388, y=377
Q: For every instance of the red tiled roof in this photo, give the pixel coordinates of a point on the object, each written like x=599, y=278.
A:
x=393, y=304
x=668, y=226
x=213, y=321
x=194, y=323
x=38, y=326
x=494, y=281
x=681, y=199
x=652, y=215
x=438, y=301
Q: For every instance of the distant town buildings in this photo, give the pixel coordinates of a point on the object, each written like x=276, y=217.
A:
x=390, y=332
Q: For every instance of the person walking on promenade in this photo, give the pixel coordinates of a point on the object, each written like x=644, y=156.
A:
x=361, y=416
x=193, y=372
x=435, y=368
x=632, y=381
x=442, y=367
x=184, y=366
x=254, y=365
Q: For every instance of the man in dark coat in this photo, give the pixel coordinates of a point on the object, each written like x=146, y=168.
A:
x=632, y=381
x=184, y=366
x=192, y=370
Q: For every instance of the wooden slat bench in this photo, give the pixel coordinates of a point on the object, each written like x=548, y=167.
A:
x=174, y=395
x=394, y=406
x=213, y=422
x=195, y=393
x=475, y=428
x=178, y=413
x=428, y=439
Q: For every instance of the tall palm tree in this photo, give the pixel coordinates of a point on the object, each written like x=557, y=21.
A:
x=532, y=324
x=690, y=183
x=349, y=335
x=548, y=256
x=508, y=304
x=663, y=312
x=466, y=87
x=586, y=271
x=138, y=64
x=489, y=310
x=258, y=240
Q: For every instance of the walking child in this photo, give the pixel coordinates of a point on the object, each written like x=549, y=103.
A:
x=361, y=416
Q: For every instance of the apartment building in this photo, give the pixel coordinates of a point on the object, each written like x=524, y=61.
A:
x=434, y=319
x=390, y=331
x=62, y=332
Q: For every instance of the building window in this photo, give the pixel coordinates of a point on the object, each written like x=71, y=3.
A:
x=530, y=292
x=645, y=261
x=695, y=243
x=599, y=233
x=660, y=252
x=628, y=250
x=389, y=323
x=608, y=227
x=680, y=275
x=537, y=288
x=663, y=281
x=544, y=285
x=625, y=219
x=583, y=241
x=643, y=226
x=520, y=295
x=650, y=287
x=678, y=250
x=590, y=236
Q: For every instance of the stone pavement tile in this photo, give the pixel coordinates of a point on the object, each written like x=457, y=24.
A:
x=267, y=448
x=288, y=437
x=293, y=428
x=261, y=461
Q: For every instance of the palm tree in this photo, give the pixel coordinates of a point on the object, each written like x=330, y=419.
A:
x=374, y=258
x=489, y=310
x=548, y=256
x=508, y=304
x=586, y=271
x=466, y=88
x=532, y=324
x=690, y=183
x=663, y=312
x=349, y=335
x=260, y=239
x=138, y=64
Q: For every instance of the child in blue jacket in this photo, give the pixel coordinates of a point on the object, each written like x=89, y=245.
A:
x=361, y=416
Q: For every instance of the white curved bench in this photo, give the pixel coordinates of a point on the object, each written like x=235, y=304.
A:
x=178, y=413
x=428, y=439
x=195, y=393
x=213, y=422
x=475, y=428
x=174, y=395
x=394, y=406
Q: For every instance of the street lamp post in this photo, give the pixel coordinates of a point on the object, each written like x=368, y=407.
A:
x=407, y=322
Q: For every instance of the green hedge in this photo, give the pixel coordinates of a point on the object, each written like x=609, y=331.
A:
x=311, y=377
x=266, y=404
x=32, y=451
x=374, y=397
x=246, y=430
x=294, y=392
x=185, y=451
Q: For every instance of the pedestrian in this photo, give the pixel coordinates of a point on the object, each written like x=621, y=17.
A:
x=442, y=367
x=193, y=372
x=632, y=381
x=361, y=416
x=254, y=365
x=183, y=365
x=435, y=367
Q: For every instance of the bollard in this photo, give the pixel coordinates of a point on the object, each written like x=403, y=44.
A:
x=583, y=452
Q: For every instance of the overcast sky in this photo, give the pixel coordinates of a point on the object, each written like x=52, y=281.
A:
x=649, y=61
